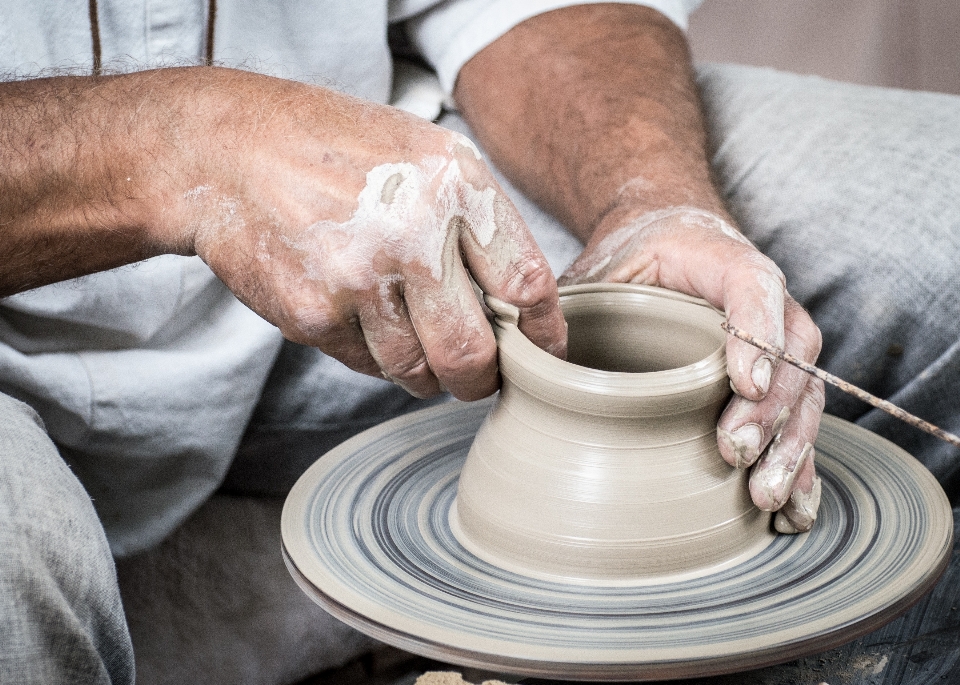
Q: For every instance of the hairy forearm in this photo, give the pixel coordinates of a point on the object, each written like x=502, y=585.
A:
x=593, y=112
x=96, y=172
x=70, y=180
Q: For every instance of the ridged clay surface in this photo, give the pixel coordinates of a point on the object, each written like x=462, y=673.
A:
x=605, y=466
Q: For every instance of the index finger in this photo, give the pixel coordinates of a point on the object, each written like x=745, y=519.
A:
x=506, y=262
x=754, y=300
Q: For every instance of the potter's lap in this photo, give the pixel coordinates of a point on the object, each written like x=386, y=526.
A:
x=57, y=580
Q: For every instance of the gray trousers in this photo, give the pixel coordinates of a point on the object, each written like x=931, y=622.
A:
x=854, y=192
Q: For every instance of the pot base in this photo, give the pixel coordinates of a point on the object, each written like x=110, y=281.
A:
x=748, y=540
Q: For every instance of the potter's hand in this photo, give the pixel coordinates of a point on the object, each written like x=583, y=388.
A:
x=772, y=421
x=353, y=226
x=349, y=225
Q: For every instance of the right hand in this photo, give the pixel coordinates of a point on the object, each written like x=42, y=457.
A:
x=353, y=228
x=771, y=424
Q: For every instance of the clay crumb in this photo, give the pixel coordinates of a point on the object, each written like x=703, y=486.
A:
x=449, y=678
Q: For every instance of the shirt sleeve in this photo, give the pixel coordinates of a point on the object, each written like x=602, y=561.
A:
x=451, y=32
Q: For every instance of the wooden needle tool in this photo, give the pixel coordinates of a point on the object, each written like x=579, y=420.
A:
x=849, y=388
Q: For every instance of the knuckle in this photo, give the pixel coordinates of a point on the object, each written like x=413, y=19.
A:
x=464, y=360
x=759, y=266
x=531, y=286
x=356, y=359
x=317, y=322
x=461, y=147
x=814, y=396
x=408, y=369
x=806, y=335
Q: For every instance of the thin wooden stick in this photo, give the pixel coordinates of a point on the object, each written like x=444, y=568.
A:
x=859, y=393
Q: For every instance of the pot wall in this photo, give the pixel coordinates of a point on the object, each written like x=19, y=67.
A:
x=594, y=474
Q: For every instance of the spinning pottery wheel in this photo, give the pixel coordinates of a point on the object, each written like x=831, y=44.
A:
x=377, y=534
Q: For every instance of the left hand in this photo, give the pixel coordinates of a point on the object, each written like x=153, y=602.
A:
x=771, y=423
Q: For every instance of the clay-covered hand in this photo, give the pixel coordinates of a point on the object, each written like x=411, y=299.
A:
x=771, y=422
x=353, y=227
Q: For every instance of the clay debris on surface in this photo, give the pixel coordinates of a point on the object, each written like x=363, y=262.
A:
x=449, y=678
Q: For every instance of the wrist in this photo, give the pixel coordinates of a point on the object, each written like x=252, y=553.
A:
x=111, y=163
x=169, y=165
x=627, y=217
x=619, y=242
x=93, y=172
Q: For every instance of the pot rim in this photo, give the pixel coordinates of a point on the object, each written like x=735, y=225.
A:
x=526, y=359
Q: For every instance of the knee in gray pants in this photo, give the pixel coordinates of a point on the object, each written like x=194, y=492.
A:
x=61, y=620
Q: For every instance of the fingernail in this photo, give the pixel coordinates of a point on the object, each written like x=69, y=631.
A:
x=774, y=483
x=800, y=511
x=743, y=442
x=783, y=525
x=780, y=420
x=762, y=373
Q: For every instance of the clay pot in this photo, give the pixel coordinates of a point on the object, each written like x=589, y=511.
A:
x=605, y=466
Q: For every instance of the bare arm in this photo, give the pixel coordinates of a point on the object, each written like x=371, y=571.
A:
x=593, y=111
x=349, y=225
x=617, y=104
x=64, y=210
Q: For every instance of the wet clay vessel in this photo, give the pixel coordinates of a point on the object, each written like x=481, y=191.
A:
x=605, y=466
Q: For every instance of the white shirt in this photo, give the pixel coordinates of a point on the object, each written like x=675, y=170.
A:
x=147, y=375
